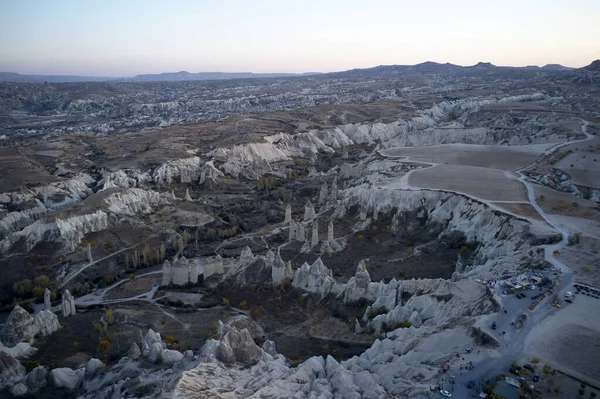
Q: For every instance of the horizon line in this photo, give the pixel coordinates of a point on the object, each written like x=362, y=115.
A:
x=289, y=73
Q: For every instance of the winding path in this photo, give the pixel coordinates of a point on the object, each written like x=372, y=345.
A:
x=489, y=368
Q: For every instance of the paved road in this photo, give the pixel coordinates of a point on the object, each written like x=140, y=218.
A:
x=512, y=344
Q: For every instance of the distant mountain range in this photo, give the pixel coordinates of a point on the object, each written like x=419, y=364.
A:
x=428, y=67
x=159, y=77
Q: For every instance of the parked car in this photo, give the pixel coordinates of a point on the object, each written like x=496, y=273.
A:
x=471, y=384
x=445, y=393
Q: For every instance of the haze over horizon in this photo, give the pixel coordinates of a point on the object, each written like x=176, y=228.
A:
x=115, y=39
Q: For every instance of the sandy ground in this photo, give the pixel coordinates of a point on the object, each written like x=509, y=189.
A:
x=524, y=209
x=134, y=287
x=584, y=259
x=493, y=157
x=568, y=339
x=583, y=167
x=559, y=203
x=483, y=183
x=584, y=226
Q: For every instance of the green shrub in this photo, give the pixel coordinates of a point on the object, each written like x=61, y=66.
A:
x=30, y=365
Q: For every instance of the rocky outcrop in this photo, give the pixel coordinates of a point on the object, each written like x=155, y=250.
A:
x=47, y=303
x=74, y=228
x=358, y=285
x=66, y=377
x=278, y=272
x=124, y=178
x=10, y=368
x=93, y=368
x=503, y=238
x=154, y=349
x=330, y=231
x=134, y=351
x=46, y=322
x=180, y=272
x=323, y=194
x=288, y=214
x=314, y=240
x=187, y=170
x=213, y=266
x=149, y=339
x=18, y=389
x=68, y=304
x=68, y=232
x=187, y=195
x=20, y=326
x=36, y=379
x=316, y=278
x=309, y=211
x=237, y=346
x=134, y=201
x=246, y=255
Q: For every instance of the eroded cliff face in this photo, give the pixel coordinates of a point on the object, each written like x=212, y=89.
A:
x=443, y=123
x=68, y=232
x=506, y=241
x=42, y=199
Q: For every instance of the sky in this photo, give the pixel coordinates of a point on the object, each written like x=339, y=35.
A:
x=130, y=37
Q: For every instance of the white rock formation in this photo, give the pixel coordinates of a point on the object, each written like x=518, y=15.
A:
x=315, y=234
x=330, y=231
x=68, y=304
x=288, y=214
x=333, y=193
x=46, y=322
x=358, y=285
x=180, y=272
x=47, y=302
x=134, y=351
x=218, y=265
x=20, y=326
x=237, y=346
x=323, y=194
x=293, y=231
x=18, y=389
x=21, y=351
x=10, y=368
x=167, y=273
x=93, y=368
x=213, y=266
x=300, y=232
x=150, y=339
x=134, y=201
x=89, y=253
x=66, y=377
x=68, y=232
x=501, y=236
x=363, y=214
x=246, y=255
x=289, y=273
x=124, y=178
x=316, y=278
x=187, y=169
x=309, y=211
x=187, y=195
x=36, y=379
x=278, y=269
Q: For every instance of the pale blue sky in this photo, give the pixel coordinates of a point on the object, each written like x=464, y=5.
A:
x=125, y=38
